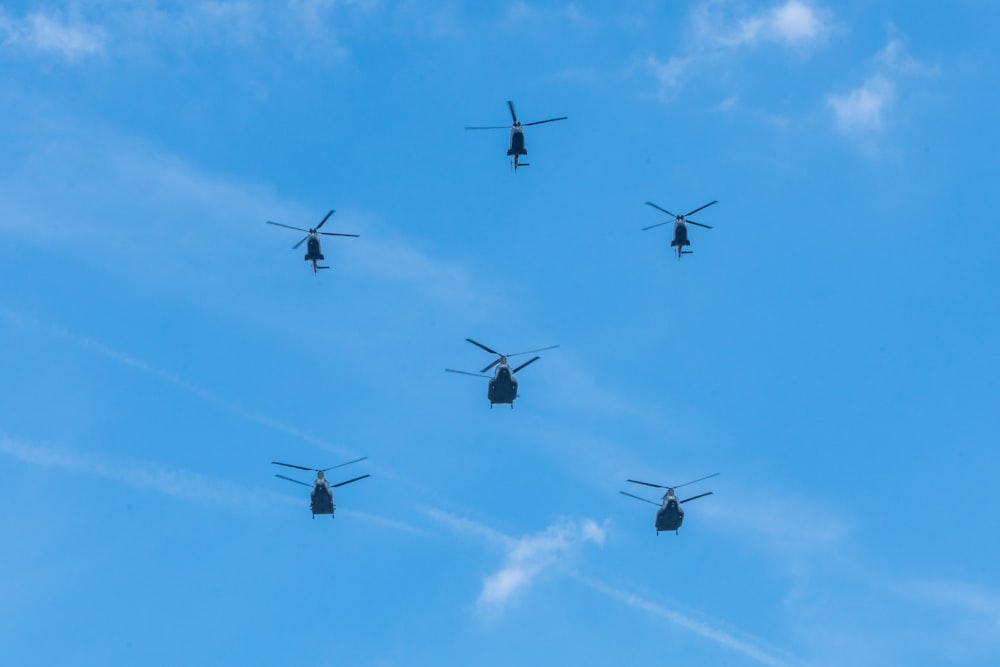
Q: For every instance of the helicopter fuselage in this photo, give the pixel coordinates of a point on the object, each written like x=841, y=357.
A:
x=503, y=387
x=321, y=498
x=517, y=148
x=670, y=516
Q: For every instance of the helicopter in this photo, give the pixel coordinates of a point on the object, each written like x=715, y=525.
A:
x=503, y=385
x=680, y=227
x=321, y=498
x=670, y=516
x=517, y=148
x=313, y=252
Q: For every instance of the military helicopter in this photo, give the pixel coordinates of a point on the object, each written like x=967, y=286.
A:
x=517, y=148
x=680, y=227
x=321, y=498
x=503, y=385
x=670, y=516
x=313, y=253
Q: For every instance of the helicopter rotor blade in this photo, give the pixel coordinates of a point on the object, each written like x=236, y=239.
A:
x=695, y=497
x=476, y=375
x=292, y=480
x=659, y=224
x=343, y=464
x=299, y=243
x=489, y=127
x=480, y=345
x=356, y=236
x=626, y=493
x=700, y=479
x=323, y=221
x=513, y=115
x=716, y=201
x=660, y=208
x=292, y=465
x=490, y=366
x=334, y=486
x=550, y=120
x=657, y=486
x=692, y=222
x=541, y=349
x=529, y=361
x=278, y=224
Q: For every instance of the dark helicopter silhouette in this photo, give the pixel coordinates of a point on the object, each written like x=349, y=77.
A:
x=321, y=498
x=680, y=227
x=313, y=252
x=670, y=516
x=517, y=148
x=503, y=385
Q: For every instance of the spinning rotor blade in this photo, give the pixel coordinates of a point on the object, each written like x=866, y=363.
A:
x=716, y=201
x=529, y=361
x=343, y=464
x=278, y=224
x=293, y=480
x=334, y=486
x=490, y=127
x=475, y=375
x=323, y=221
x=512, y=114
x=660, y=208
x=696, y=497
x=490, y=366
x=714, y=474
x=351, y=235
x=480, y=345
x=539, y=122
x=692, y=222
x=657, y=486
x=625, y=493
x=292, y=465
x=299, y=243
x=541, y=349
x=659, y=224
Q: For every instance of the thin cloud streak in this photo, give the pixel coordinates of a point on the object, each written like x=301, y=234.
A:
x=50, y=33
x=749, y=649
x=18, y=319
x=181, y=484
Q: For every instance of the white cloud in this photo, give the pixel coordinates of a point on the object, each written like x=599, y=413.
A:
x=669, y=75
x=792, y=24
x=863, y=108
x=51, y=33
x=530, y=556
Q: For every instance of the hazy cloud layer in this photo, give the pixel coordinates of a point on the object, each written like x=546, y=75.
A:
x=52, y=33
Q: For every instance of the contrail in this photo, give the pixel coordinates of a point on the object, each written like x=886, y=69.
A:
x=18, y=319
x=698, y=627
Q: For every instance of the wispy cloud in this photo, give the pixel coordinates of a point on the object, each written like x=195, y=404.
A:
x=793, y=23
x=181, y=484
x=863, y=110
x=749, y=647
x=530, y=556
x=52, y=33
x=21, y=320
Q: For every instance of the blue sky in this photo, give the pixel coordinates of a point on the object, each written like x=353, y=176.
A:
x=829, y=348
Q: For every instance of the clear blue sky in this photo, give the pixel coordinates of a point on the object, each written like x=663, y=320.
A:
x=829, y=348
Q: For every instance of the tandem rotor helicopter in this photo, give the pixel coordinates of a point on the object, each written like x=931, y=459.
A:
x=670, y=516
x=321, y=498
x=503, y=385
x=313, y=252
x=517, y=148
x=680, y=227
